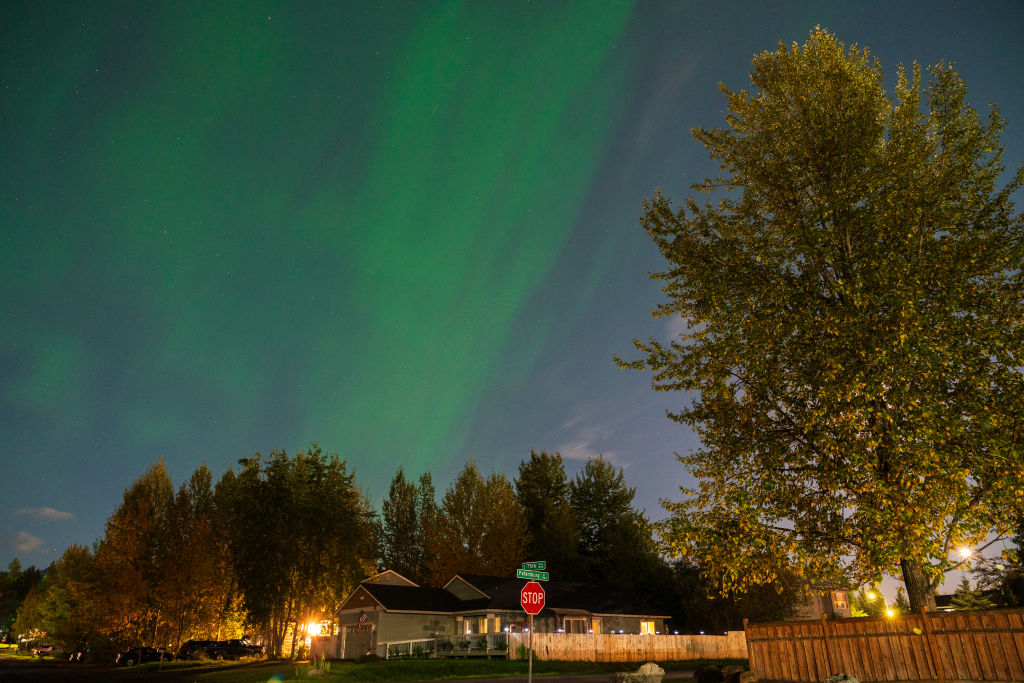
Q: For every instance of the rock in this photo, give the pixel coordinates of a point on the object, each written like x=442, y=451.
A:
x=648, y=673
x=747, y=677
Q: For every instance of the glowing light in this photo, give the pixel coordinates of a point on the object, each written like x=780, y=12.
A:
x=965, y=552
x=889, y=613
x=313, y=628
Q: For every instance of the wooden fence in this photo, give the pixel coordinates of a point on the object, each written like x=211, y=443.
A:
x=953, y=646
x=618, y=647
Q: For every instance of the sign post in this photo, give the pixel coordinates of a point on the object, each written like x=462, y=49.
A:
x=532, y=600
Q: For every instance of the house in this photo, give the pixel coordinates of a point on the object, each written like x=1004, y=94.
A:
x=395, y=610
x=828, y=600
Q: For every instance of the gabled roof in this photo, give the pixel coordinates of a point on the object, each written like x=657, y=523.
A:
x=390, y=576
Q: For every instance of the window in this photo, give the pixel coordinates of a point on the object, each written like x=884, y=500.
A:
x=483, y=624
x=575, y=625
x=596, y=626
x=839, y=600
x=497, y=624
x=647, y=628
x=469, y=627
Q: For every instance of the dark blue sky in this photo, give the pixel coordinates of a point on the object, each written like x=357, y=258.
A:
x=407, y=231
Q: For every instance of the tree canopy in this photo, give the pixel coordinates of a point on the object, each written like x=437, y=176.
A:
x=301, y=537
x=479, y=528
x=852, y=291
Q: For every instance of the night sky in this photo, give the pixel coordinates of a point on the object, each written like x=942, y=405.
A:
x=406, y=231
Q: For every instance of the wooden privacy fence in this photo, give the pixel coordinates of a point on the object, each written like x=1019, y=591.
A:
x=618, y=647
x=953, y=646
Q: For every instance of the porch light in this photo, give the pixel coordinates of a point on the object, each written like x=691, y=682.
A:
x=889, y=613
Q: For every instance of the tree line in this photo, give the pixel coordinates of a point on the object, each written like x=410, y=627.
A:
x=278, y=542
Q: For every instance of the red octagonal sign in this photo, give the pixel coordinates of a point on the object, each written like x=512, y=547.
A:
x=532, y=598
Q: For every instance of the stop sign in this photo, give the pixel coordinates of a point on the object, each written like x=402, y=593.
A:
x=532, y=598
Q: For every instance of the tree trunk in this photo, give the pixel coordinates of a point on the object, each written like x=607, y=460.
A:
x=919, y=588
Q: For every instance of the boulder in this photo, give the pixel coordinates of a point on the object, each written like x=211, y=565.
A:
x=747, y=677
x=648, y=673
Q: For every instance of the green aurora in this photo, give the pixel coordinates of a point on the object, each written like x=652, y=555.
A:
x=272, y=234
x=404, y=230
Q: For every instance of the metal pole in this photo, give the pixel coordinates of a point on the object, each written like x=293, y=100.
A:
x=530, y=667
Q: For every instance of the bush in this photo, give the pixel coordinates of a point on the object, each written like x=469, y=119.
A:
x=481, y=643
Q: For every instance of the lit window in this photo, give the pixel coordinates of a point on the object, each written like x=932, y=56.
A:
x=647, y=628
x=596, y=626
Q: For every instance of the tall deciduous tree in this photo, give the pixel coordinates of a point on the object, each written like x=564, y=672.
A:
x=853, y=297
x=15, y=583
x=129, y=563
x=196, y=583
x=63, y=604
x=479, y=528
x=301, y=537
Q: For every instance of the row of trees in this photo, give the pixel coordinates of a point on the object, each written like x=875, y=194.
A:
x=279, y=543
x=586, y=528
x=262, y=551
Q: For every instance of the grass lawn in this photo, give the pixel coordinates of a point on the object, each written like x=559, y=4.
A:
x=413, y=670
x=10, y=651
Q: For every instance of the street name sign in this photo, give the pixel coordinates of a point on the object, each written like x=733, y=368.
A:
x=532, y=599
x=538, y=566
x=531, y=574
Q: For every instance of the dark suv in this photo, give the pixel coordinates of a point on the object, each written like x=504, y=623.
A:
x=233, y=649
x=193, y=648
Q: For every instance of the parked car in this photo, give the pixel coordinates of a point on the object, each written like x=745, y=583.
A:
x=194, y=648
x=233, y=649
x=141, y=655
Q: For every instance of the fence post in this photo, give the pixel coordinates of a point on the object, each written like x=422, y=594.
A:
x=828, y=645
x=933, y=650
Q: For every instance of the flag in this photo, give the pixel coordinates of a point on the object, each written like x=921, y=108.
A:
x=362, y=618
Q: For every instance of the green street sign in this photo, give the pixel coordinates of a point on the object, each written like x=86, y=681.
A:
x=531, y=574
x=542, y=565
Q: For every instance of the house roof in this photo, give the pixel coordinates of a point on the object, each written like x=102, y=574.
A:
x=418, y=599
